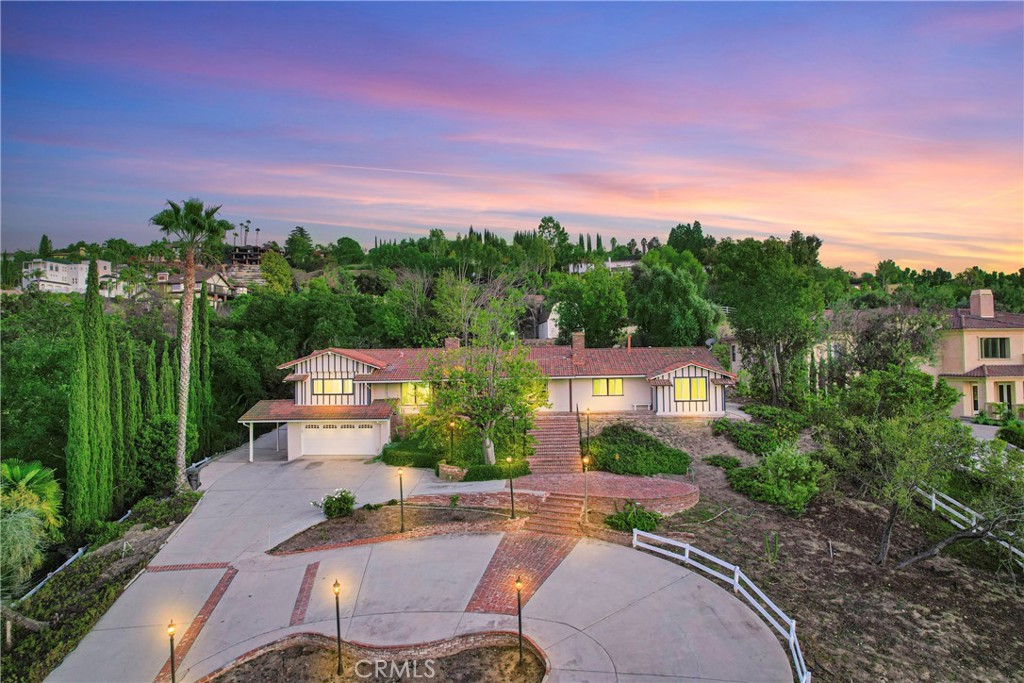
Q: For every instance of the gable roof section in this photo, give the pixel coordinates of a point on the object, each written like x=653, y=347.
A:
x=285, y=410
x=410, y=365
x=990, y=371
x=961, y=319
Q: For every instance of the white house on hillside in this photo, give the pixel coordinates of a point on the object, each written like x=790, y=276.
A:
x=48, y=275
x=345, y=398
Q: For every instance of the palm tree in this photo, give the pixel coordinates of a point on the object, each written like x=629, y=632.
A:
x=198, y=232
x=33, y=486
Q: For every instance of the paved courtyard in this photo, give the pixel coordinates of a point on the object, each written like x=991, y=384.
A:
x=602, y=613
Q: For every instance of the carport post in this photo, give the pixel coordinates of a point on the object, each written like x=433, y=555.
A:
x=250, y=442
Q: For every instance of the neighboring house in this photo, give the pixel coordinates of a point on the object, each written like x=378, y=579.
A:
x=548, y=328
x=345, y=398
x=218, y=288
x=49, y=275
x=981, y=354
x=585, y=267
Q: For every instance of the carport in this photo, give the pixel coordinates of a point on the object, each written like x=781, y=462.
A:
x=324, y=430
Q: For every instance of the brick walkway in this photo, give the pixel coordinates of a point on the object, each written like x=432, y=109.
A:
x=605, y=490
x=523, y=554
x=305, y=589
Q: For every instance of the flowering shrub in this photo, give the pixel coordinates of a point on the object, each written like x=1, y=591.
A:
x=337, y=504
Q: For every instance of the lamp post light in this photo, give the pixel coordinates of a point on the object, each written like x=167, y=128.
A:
x=337, y=618
x=401, y=500
x=511, y=490
x=519, y=606
x=586, y=500
x=588, y=430
x=451, y=441
x=170, y=634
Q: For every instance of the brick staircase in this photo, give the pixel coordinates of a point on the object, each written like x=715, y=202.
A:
x=557, y=449
x=559, y=515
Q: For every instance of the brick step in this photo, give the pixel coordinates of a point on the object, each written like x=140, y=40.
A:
x=564, y=499
x=558, y=529
x=569, y=468
x=569, y=522
x=559, y=508
x=553, y=469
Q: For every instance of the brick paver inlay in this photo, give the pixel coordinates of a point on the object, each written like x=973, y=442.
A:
x=527, y=555
x=305, y=589
x=186, y=641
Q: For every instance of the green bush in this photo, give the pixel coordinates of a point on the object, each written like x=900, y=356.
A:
x=633, y=515
x=337, y=504
x=753, y=437
x=785, y=477
x=726, y=462
x=1012, y=433
x=487, y=472
x=156, y=444
x=102, y=533
x=400, y=454
x=783, y=420
x=622, y=449
x=157, y=512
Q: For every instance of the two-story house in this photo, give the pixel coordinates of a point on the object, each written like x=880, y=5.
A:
x=55, y=275
x=345, y=398
x=981, y=354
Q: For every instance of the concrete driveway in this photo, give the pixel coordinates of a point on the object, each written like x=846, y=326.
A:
x=606, y=613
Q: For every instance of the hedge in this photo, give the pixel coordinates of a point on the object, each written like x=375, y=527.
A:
x=487, y=472
x=1013, y=434
x=622, y=449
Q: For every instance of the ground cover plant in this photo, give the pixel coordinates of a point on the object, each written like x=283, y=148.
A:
x=633, y=515
x=785, y=477
x=622, y=449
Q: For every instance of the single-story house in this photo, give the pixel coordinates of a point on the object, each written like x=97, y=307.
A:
x=345, y=398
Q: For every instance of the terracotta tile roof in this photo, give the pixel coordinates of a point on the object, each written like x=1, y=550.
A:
x=284, y=410
x=961, y=319
x=990, y=371
x=295, y=377
x=404, y=365
x=367, y=356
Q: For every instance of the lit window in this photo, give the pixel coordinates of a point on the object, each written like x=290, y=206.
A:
x=333, y=386
x=608, y=387
x=691, y=389
x=415, y=394
x=995, y=347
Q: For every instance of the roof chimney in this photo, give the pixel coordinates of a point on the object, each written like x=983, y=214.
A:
x=983, y=303
x=578, y=343
x=629, y=342
x=451, y=343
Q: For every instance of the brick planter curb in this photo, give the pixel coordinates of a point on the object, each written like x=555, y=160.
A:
x=433, y=649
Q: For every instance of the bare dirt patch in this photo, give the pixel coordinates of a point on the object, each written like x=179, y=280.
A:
x=386, y=522
x=941, y=620
x=315, y=663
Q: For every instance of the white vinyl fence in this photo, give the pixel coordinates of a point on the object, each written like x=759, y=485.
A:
x=740, y=583
x=963, y=517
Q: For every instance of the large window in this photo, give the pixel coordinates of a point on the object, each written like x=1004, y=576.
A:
x=333, y=387
x=691, y=388
x=611, y=386
x=995, y=347
x=415, y=394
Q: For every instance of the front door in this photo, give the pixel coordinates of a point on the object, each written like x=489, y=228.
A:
x=974, y=398
x=1004, y=390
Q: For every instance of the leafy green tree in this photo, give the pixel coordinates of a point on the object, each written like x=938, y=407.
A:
x=198, y=231
x=275, y=270
x=157, y=454
x=668, y=308
x=45, y=247
x=80, y=469
x=678, y=260
x=298, y=248
x=691, y=238
x=594, y=302
x=347, y=251
x=804, y=249
x=489, y=383
x=101, y=438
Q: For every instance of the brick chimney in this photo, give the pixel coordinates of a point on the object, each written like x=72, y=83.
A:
x=578, y=344
x=983, y=304
x=451, y=343
x=629, y=342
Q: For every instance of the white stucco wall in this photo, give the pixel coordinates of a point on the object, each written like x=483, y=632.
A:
x=635, y=391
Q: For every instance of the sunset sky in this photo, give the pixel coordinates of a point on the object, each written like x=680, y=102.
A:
x=889, y=130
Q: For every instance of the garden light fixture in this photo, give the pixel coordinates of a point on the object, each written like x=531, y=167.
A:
x=511, y=490
x=170, y=634
x=519, y=606
x=586, y=500
x=401, y=500
x=337, y=618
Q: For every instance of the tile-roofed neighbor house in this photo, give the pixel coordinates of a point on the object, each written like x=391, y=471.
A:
x=344, y=398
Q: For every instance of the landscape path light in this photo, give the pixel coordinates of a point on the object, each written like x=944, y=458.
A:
x=170, y=634
x=511, y=490
x=401, y=500
x=451, y=441
x=586, y=501
x=337, y=618
x=519, y=608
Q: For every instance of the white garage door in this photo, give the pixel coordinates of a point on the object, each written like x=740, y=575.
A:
x=341, y=438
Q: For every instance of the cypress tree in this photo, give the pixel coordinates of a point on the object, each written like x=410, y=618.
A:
x=588, y=243
x=205, y=402
x=166, y=400
x=79, y=495
x=150, y=386
x=132, y=397
x=100, y=430
x=119, y=468
x=600, y=247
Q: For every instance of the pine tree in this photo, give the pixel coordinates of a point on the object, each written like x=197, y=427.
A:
x=119, y=464
x=132, y=397
x=79, y=497
x=100, y=429
x=166, y=382
x=151, y=405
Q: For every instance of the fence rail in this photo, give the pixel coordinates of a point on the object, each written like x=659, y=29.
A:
x=740, y=583
x=963, y=518
x=56, y=571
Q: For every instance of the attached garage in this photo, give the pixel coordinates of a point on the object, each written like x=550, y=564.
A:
x=345, y=431
x=341, y=438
